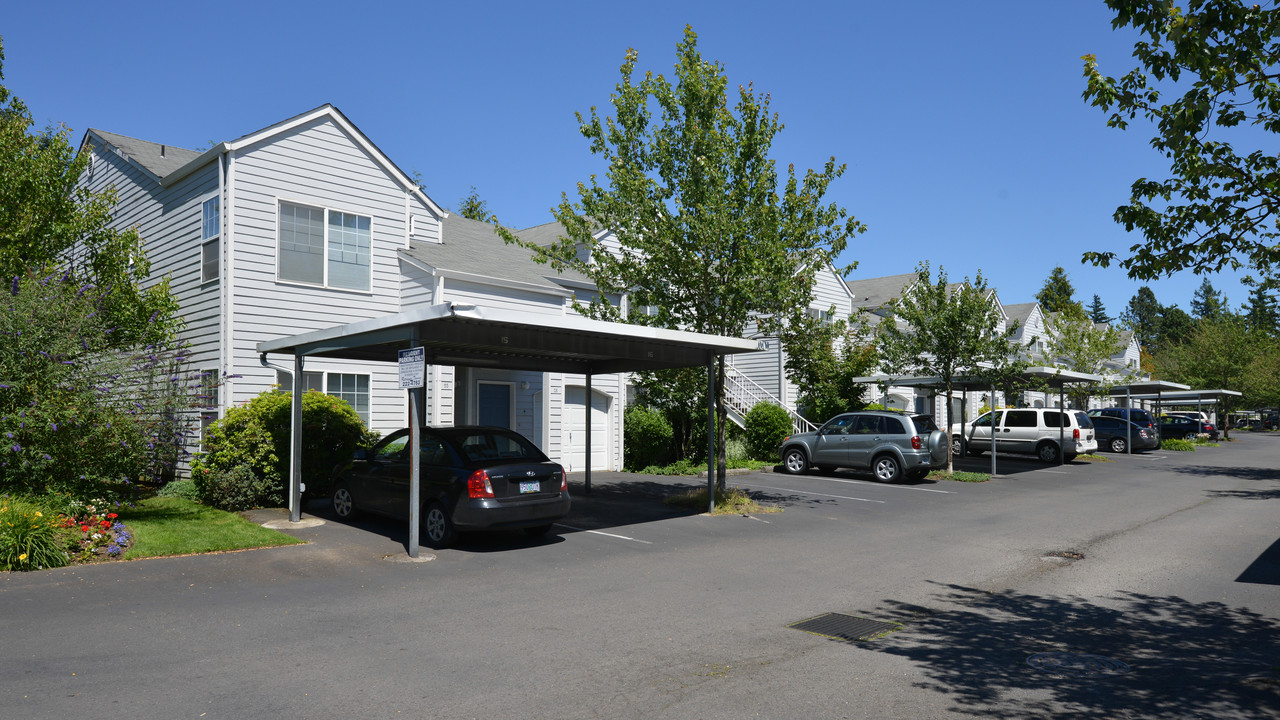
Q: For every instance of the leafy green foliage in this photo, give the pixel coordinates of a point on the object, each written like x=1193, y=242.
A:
x=707, y=232
x=1056, y=295
x=823, y=358
x=1177, y=445
x=941, y=330
x=28, y=537
x=181, y=488
x=239, y=488
x=1208, y=302
x=77, y=413
x=766, y=424
x=1218, y=354
x=1204, y=71
x=256, y=435
x=648, y=437
x=473, y=207
x=49, y=219
x=1076, y=343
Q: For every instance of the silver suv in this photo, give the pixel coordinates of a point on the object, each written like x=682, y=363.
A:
x=891, y=445
x=1051, y=434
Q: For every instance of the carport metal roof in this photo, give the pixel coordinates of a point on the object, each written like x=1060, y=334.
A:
x=469, y=335
x=459, y=334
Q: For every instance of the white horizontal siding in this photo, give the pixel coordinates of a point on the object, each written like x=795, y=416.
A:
x=505, y=298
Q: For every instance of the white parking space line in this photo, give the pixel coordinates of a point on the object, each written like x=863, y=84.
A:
x=1055, y=472
x=601, y=532
x=806, y=492
x=895, y=487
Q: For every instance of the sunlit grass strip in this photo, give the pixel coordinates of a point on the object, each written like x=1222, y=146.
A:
x=1090, y=457
x=1177, y=445
x=174, y=526
x=960, y=476
x=730, y=501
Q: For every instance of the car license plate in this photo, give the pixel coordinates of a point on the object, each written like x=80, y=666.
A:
x=528, y=487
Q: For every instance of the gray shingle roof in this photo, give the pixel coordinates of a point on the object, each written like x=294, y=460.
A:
x=1020, y=312
x=874, y=292
x=472, y=247
x=159, y=160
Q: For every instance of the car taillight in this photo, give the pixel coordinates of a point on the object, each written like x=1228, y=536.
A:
x=564, y=481
x=1075, y=434
x=916, y=442
x=478, y=485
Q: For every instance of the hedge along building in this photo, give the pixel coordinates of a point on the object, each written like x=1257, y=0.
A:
x=306, y=225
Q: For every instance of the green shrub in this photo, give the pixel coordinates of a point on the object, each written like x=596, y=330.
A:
x=257, y=435
x=647, y=438
x=767, y=424
x=239, y=488
x=29, y=537
x=1177, y=444
x=184, y=488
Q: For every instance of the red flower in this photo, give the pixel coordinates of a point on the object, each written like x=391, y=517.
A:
x=112, y=516
x=85, y=528
x=105, y=523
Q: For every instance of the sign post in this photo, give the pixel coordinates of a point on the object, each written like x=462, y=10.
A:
x=412, y=374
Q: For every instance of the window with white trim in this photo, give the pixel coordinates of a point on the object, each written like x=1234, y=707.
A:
x=352, y=387
x=324, y=247
x=207, y=400
x=210, y=234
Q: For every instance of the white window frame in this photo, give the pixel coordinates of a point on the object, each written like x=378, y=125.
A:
x=209, y=402
x=327, y=241
x=318, y=380
x=211, y=239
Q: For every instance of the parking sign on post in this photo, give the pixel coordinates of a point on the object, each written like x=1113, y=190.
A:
x=412, y=374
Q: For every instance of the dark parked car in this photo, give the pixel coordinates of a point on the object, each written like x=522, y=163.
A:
x=1174, y=426
x=1114, y=434
x=470, y=478
x=1140, y=417
x=891, y=445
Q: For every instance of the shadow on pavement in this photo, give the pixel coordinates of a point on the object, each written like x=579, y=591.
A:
x=1184, y=659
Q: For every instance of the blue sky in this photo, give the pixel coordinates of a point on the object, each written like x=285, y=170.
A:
x=966, y=139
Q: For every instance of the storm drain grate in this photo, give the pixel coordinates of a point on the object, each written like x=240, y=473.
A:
x=847, y=628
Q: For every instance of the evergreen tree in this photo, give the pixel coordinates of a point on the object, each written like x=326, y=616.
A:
x=1056, y=295
x=1097, y=312
x=1208, y=302
x=1261, y=311
x=1142, y=316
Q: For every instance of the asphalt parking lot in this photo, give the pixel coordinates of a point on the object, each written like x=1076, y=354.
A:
x=1166, y=566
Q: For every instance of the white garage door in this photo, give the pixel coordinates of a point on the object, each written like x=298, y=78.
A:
x=575, y=428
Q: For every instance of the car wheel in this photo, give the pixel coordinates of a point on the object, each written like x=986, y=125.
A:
x=957, y=446
x=537, y=530
x=437, y=527
x=1118, y=445
x=794, y=461
x=1047, y=452
x=887, y=468
x=344, y=505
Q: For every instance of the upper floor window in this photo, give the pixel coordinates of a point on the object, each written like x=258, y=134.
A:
x=210, y=232
x=324, y=247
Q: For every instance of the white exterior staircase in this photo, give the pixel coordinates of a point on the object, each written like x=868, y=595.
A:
x=741, y=393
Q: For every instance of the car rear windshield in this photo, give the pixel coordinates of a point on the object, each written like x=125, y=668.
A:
x=490, y=445
x=924, y=423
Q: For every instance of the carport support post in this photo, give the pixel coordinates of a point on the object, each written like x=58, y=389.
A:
x=711, y=433
x=415, y=470
x=1062, y=424
x=993, y=428
x=1128, y=429
x=295, y=443
x=586, y=484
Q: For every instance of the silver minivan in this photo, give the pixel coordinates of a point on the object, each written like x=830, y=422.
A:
x=1050, y=434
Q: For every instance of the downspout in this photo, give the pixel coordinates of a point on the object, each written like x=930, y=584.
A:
x=228, y=280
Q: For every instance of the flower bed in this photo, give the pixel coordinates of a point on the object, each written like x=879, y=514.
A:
x=92, y=533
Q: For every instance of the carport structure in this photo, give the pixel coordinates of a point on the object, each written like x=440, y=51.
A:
x=468, y=335
x=1050, y=376
x=1187, y=397
x=1143, y=390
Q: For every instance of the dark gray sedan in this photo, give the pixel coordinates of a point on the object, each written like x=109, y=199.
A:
x=471, y=478
x=891, y=445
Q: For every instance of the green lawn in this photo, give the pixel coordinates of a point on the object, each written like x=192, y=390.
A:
x=173, y=526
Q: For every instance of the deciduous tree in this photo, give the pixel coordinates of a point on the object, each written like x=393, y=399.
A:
x=946, y=330
x=1206, y=70
x=707, y=232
